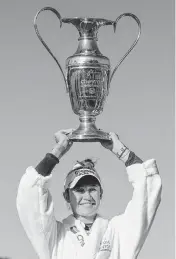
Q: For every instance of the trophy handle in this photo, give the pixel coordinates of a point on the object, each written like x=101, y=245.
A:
x=43, y=42
x=134, y=43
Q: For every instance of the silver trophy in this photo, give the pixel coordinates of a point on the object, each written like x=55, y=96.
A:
x=88, y=73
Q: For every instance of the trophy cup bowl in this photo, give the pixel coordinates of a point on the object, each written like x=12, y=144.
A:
x=88, y=73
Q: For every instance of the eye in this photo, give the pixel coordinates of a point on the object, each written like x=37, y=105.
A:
x=79, y=189
x=93, y=189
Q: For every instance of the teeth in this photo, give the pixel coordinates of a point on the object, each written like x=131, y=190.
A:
x=87, y=203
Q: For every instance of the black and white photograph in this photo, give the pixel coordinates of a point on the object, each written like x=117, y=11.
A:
x=87, y=129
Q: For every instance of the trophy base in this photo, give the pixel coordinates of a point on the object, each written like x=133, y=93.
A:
x=88, y=132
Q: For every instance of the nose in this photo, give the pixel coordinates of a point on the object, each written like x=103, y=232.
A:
x=87, y=195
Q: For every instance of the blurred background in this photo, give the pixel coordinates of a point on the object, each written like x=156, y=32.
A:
x=34, y=105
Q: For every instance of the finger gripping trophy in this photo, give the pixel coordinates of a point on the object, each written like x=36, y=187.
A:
x=88, y=73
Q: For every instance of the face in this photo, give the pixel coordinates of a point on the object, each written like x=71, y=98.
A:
x=85, y=200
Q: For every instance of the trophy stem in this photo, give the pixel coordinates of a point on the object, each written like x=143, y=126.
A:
x=87, y=131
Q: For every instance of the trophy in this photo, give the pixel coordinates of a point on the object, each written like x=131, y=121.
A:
x=88, y=73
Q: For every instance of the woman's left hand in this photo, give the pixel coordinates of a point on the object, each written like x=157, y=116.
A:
x=114, y=145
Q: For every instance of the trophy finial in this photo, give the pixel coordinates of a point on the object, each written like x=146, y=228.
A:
x=87, y=27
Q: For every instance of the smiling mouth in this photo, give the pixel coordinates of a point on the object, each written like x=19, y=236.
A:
x=87, y=203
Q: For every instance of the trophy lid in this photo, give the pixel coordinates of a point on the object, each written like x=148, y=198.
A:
x=88, y=27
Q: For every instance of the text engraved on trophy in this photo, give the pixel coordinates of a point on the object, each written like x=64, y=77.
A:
x=88, y=88
x=91, y=83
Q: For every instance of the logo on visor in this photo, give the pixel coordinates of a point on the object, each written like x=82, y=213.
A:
x=83, y=172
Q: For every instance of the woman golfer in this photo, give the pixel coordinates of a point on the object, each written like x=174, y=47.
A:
x=85, y=234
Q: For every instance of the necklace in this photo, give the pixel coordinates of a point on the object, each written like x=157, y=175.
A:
x=88, y=226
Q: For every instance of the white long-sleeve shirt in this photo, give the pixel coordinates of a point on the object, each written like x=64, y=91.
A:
x=122, y=237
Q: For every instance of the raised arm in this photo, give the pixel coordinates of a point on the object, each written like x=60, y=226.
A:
x=135, y=223
x=133, y=226
x=34, y=201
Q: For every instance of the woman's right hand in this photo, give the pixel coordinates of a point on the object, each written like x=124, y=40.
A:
x=63, y=144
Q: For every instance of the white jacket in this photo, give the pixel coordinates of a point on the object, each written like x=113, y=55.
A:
x=120, y=238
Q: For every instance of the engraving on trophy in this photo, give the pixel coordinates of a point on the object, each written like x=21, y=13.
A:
x=88, y=88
